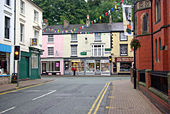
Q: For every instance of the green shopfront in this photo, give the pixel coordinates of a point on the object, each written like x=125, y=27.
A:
x=29, y=64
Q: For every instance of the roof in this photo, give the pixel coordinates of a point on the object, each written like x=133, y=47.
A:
x=104, y=27
x=35, y=5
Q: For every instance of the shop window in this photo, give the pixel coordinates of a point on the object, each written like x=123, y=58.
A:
x=156, y=48
x=145, y=23
x=22, y=7
x=7, y=2
x=21, y=32
x=73, y=50
x=50, y=51
x=7, y=27
x=4, y=63
x=105, y=67
x=73, y=37
x=157, y=10
x=34, y=58
x=97, y=50
x=50, y=39
x=35, y=16
x=54, y=66
x=160, y=47
x=123, y=37
x=78, y=65
x=123, y=49
x=98, y=37
x=125, y=66
x=90, y=67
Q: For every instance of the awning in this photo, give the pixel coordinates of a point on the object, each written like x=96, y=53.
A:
x=77, y=60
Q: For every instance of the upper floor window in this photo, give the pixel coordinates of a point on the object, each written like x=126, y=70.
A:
x=21, y=32
x=97, y=50
x=22, y=7
x=160, y=47
x=50, y=50
x=50, y=39
x=7, y=27
x=97, y=36
x=36, y=34
x=145, y=23
x=123, y=49
x=35, y=16
x=73, y=50
x=73, y=37
x=123, y=37
x=156, y=47
x=157, y=10
x=7, y=2
x=136, y=25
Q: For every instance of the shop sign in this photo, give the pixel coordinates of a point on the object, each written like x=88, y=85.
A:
x=124, y=59
x=57, y=64
x=34, y=41
x=104, y=61
x=108, y=49
x=83, y=53
x=90, y=61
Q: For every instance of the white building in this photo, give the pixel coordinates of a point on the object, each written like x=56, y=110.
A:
x=6, y=39
x=29, y=38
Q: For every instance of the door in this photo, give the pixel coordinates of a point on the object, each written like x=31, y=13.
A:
x=43, y=68
x=24, y=67
x=98, y=70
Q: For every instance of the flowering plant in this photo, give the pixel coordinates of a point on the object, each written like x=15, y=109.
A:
x=135, y=44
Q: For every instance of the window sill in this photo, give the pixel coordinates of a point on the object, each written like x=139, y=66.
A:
x=157, y=21
x=73, y=55
x=123, y=55
x=8, y=40
x=22, y=14
x=97, y=40
x=74, y=41
x=7, y=6
x=123, y=40
x=21, y=43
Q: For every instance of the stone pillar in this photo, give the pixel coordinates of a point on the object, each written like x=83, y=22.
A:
x=148, y=77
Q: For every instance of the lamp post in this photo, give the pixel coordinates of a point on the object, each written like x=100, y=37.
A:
x=134, y=66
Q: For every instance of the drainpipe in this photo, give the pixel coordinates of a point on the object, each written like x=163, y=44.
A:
x=152, y=37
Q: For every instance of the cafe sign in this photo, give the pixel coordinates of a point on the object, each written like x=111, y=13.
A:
x=124, y=59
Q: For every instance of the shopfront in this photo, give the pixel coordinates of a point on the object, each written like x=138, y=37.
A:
x=124, y=64
x=90, y=67
x=5, y=51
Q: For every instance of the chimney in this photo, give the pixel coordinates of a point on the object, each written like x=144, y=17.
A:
x=87, y=20
x=66, y=23
x=45, y=23
x=110, y=19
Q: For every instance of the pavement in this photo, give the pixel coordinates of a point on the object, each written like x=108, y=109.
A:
x=22, y=84
x=126, y=100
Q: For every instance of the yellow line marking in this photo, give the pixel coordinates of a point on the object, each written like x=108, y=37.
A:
x=108, y=107
x=111, y=97
x=22, y=88
x=98, y=105
x=91, y=109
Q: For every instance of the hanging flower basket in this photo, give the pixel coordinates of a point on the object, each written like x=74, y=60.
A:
x=135, y=44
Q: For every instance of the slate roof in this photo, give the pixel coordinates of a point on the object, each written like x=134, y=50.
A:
x=104, y=27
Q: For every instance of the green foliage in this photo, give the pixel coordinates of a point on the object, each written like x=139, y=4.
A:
x=135, y=44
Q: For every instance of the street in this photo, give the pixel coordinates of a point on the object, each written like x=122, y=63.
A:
x=67, y=95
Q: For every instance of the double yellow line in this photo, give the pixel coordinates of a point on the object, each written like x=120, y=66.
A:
x=99, y=99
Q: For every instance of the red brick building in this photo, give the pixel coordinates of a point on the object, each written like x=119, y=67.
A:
x=152, y=28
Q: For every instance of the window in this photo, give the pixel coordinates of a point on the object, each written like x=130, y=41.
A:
x=22, y=7
x=156, y=47
x=21, y=32
x=157, y=10
x=145, y=23
x=97, y=50
x=136, y=25
x=160, y=47
x=73, y=37
x=8, y=2
x=98, y=37
x=36, y=34
x=7, y=27
x=50, y=51
x=54, y=66
x=50, y=39
x=123, y=37
x=123, y=49
x=35, y=16
x=34, y=58
x=73, y=50
x=125, y=66
x=4, y=64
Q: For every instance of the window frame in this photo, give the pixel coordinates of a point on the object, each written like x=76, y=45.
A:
x=34, y=59
x=8, y=2
x=50, y=38
x=7, y=28
x=73, y=37
x=156, y=50
x=36, y=16
x=157, y=11
x=51, y=52
x=72, y=51
x=22, y=7
x=145, y=22
x=121, y=54
x=95, y=50
x=120, y=35
x=160, y=48
x=22, y=32
x=97, y=36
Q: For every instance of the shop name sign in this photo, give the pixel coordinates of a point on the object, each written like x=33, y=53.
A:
x=34, y=41
x=124, y=59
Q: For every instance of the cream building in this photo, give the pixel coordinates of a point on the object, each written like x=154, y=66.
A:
x=122, y=55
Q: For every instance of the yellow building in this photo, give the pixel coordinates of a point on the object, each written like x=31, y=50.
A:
x=122, y=55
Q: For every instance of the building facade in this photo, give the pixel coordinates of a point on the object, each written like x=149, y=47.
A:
x=6, y=39
x=29, y=38
x=122, y=55
x=88, y=50
x=152, y=28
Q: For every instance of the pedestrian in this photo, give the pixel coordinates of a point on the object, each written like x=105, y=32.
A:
x=74, y=70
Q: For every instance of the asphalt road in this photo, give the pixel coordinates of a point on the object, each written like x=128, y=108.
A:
x=67, y=95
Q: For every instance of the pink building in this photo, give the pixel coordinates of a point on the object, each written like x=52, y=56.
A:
x=52, y=58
